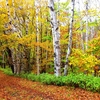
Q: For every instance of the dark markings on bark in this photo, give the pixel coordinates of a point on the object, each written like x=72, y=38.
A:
x=10, y=23
x=52, y=24
x=52, y=9
x=57, y=64
x=57, y=47
x=56, y=28
x=54, y=54
x=57, y=42
x=54, y=69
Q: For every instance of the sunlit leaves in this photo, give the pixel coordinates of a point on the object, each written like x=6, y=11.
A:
x=94, y=46
x=82, y=60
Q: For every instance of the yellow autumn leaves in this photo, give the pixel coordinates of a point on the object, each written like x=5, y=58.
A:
x=83, y=60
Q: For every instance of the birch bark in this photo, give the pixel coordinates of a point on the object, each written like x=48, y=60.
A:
x=70, y=37
x=12, y=62
x=37, y=37
x=8, y=12
x=56, y=38
x=87, y=28
x=14, y=53
x=81, y=27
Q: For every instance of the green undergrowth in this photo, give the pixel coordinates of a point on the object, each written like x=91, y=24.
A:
x=6, y=71
x=83, y=81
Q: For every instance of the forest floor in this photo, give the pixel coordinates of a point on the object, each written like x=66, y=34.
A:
x=14, y=88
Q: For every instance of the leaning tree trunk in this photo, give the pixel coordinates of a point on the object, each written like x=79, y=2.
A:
x=11, y=59
x=15, y=63
x=70, y=37
x=56, y=38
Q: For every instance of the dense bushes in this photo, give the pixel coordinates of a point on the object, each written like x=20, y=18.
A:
x=83, y=81
x=76, y=80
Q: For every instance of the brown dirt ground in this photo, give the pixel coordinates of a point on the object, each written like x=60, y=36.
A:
x=14, y=88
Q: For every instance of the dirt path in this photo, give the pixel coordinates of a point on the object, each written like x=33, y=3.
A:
x=13, y=88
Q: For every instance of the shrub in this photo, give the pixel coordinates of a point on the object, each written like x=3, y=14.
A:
x=83, y=81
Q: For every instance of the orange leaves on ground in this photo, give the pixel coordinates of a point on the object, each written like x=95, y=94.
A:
x=12, y=88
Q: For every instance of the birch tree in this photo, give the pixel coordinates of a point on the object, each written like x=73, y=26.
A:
x=14, y=52
x=9, y=51
x=81, y=27
x=37, y=37
x=70, y=37
x=8, y=12
x=87, y=28
x=56, y=38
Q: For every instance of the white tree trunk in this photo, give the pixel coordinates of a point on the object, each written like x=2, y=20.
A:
x=70, y=37
x=37, y=37
x=56, y=38
x=12, y=23
x=87, y=28
x=8, y=12
x=81, y=27
x=15, y=23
